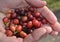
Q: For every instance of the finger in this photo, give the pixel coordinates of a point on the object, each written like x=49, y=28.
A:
x=36, y=34
x=56, y=26
x=48, y=28
x=29, y=38
x=36, y=3
x=1, y=23
x=48, y=14
x=54, y=33
x=20, y=39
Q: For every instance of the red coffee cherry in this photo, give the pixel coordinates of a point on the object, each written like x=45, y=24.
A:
x=8, y=33
x=5, y=20
x=19, y=28
x=36, y=14
x=24, y=18
x=29, y=24
x=36, y=23
x=12, y=27
x=23, y=34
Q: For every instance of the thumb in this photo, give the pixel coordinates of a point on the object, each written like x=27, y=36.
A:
x=36, y=3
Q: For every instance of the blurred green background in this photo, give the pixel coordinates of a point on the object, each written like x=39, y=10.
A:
x=53, y=4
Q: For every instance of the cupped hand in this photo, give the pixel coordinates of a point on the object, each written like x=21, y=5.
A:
x=53, y=28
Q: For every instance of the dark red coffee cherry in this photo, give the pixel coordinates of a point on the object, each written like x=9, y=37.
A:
x=19, y=28
x=30, y=17
x=44, y=21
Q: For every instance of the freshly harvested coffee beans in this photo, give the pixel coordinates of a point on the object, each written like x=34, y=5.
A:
x=23, y=21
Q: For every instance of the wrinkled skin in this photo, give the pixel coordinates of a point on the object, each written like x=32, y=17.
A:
x=53, y=28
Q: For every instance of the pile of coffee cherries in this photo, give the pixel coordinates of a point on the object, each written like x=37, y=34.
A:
x=23, y=21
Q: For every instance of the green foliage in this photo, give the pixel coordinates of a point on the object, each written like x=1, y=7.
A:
x=53, y=4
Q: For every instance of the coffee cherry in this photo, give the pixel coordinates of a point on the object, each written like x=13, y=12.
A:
x=30, y=17
x=5, y=20
x=36, y=23
x=19, y=28
x=12, y=27
x=36, y=14
x=23, y=34
x=44, y=21
x=16, y=21
x=24, y=18
x=29, y=24
x=8, y=33
x=31, y=9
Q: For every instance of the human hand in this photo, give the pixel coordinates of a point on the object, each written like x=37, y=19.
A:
x=36, y=34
